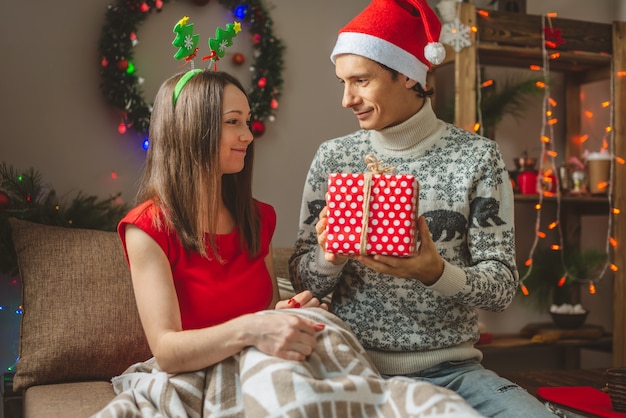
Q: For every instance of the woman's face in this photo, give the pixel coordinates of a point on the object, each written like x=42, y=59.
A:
x=236, y=135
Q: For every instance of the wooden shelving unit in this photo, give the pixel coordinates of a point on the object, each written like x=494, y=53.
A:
x=592, y=52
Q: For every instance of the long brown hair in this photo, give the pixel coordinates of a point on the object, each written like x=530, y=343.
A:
x=182, y=171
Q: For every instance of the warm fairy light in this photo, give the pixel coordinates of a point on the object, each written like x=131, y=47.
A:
x=620, y=160
x=613, y=242
x=562, y=281
x=540, y=84
x=528, y=262
x=555, y=247
x=57, y=208
x=552, y=102
x=524, y=289
x=608, y=129
x=476, y=127
x=535, y=67
x=621, y=73
x=545, y=139
x=588, y=114
x=592, y=288
x=487, y=83
x=616, y=211
x=483, y=13
x=552, y=154
x=538, y=206
x=583, y=138
x=549, y=113
x=114, y=175
x=613, y=267
x=474, y=29
x=555, y=55
x=606, y=104
x=551, y=15
x=541, y=234
x=553, y=225
x=553, y=121
x=605, y=144
x=603, y=185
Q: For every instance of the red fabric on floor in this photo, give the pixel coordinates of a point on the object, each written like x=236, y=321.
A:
x=581, y=398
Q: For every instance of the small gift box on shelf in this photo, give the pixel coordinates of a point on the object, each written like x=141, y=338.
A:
x=372, y=212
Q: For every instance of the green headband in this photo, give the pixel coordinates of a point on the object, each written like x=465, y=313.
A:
x=183, y=80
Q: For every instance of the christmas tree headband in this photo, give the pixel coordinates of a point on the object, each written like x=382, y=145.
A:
x=183, y=80
x=187, y=43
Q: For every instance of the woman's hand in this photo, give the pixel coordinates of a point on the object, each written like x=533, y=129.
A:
x=286, y=336
x=301, y=300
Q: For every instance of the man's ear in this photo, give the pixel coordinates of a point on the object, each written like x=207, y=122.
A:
x=408, y=83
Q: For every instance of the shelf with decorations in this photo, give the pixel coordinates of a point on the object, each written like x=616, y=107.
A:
x=583, y=52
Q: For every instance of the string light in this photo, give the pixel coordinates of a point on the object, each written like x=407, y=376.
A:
x=548, y=153
x=547, y=182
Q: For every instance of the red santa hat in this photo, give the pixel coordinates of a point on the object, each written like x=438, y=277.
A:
x=401, y=34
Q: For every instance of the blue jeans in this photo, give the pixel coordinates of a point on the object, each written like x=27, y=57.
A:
x=484, y=390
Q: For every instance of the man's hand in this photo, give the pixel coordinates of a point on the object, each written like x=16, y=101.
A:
x=322, y=235
x=426, y=265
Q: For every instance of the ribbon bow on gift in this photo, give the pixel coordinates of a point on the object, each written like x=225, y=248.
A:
x=375, y=167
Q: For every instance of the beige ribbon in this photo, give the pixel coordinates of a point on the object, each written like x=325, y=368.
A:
x=374, y=167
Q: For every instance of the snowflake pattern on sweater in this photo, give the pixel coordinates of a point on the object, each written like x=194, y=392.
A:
x=467, y=200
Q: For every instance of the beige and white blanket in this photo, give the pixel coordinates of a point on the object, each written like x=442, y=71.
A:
x=337, y=380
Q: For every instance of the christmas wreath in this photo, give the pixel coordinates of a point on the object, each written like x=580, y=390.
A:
x=122, y=87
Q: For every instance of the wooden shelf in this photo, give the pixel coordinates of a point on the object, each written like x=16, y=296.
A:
x=590, y=52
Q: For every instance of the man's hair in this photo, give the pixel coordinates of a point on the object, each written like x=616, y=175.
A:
x=418, y=88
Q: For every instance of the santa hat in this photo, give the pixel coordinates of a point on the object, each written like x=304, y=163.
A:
x=401, y=34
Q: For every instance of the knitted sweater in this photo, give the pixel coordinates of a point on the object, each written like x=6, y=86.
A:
x=467, y=200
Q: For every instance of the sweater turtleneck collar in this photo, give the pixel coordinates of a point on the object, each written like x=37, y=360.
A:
x=410, y=133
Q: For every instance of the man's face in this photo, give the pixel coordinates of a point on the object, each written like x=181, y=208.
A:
x=376, y=99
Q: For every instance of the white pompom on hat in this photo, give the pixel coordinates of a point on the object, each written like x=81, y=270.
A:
x=401, y=34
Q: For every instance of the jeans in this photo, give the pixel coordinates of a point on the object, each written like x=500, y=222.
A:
x=488, y=393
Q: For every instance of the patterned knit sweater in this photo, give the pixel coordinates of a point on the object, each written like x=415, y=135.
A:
x=467, y=200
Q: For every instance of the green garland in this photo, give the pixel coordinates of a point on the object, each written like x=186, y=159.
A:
x=120, y=85
x=30, y=199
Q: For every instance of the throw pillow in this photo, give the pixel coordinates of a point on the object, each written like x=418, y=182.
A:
x=80, y=319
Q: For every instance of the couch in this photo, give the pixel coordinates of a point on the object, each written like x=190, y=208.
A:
x=80, y=328
x=80, y=325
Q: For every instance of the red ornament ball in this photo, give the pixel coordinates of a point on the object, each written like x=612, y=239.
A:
x=5, y=200
x=122, y=65
x=257, y=128
x=238, y=58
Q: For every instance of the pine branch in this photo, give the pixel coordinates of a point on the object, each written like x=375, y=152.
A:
x=31, y=200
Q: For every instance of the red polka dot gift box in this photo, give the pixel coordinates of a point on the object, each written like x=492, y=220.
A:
x=371, y=213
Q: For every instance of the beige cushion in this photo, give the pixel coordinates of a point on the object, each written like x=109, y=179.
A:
x=80, y=319
x=67, y=400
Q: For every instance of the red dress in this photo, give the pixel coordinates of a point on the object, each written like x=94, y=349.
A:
x=210, y=292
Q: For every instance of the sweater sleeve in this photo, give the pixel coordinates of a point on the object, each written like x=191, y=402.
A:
x=489, y=278
x=308, y=270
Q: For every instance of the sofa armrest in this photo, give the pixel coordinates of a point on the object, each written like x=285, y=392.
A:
x=11, y=400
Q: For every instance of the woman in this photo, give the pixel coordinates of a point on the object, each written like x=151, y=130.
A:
x=198, y=244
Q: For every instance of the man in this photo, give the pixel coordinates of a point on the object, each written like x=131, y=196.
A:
x=416, y=315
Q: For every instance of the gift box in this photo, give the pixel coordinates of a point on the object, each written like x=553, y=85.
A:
x=389, y=203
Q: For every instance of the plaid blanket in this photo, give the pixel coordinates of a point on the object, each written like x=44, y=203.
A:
x=337, y=380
